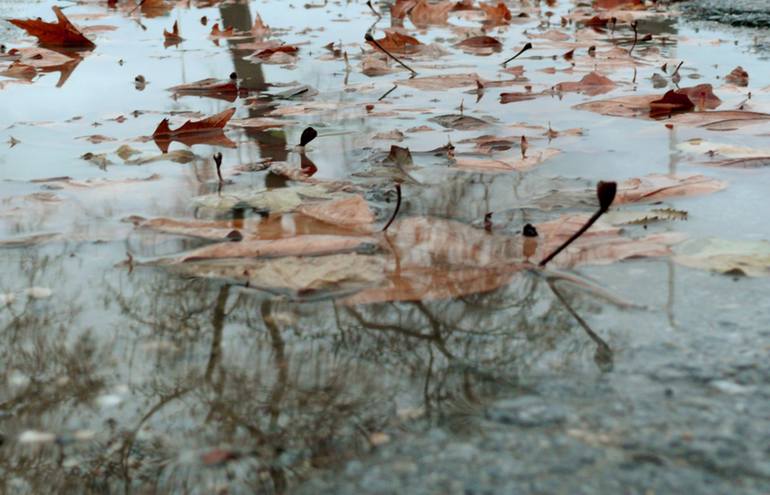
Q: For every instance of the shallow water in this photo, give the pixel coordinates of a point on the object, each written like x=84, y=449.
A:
x=120, y=374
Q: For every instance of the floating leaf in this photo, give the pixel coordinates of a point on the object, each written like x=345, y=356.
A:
x=60, y=33
x=656, y=187
x=731, y=257
x=208, y=131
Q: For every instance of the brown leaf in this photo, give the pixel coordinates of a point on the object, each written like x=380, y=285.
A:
x=208, y=124
x=591, y=84
x=269, y=52
x=205, y=131
x=508, y=164
x=61, y=33
x=673, y=101
x=351, y=212
x=657, y=187
x=214, y=88
x=480, y=42
x=738, y=76
x=394, y=41
x=516, y=97
x=424, y=13
x=301, y=245
x=496, y=14
x=219, y=33
x=173, y=37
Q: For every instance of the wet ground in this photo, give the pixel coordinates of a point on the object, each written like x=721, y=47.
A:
x=135, y=357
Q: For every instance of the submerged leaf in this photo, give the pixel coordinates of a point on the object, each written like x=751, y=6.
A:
x=750, y=258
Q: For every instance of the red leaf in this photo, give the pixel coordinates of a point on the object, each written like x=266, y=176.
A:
x=61, y=33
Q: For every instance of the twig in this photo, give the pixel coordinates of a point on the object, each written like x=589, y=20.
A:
x=369, y=3
x=388, y=92
x=368, y=37
x=636, y=35
x=605, y=191
x=398, y=206
x=528, y=46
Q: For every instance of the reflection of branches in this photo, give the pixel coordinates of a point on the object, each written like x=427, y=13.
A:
x=603, y=356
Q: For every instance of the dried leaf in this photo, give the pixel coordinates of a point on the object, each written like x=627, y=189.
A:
x=60, y=33
x=656, y=187
x=730, y=257
x=591, y=84
x=204, y=131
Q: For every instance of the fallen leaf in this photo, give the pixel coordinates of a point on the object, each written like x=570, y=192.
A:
x=738, y=76
x=730, y=257
x=591, y=84
x=423, y=13
x=173, y=37
x=657, y=187
x=671, y=102
x=349, y=212
x=496, y=14
x=208, y=130
x=533, y=158
x=459, y=122
x=481, y=42
x=226, y=90
x=301, y=245
x=60, y=33
x=397, y=42
x=301, y=275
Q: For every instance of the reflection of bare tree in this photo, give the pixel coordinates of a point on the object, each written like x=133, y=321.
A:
x=227, y=387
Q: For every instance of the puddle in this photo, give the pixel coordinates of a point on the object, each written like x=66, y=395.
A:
x=169, y=329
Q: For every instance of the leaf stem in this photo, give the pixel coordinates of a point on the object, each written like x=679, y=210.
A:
x=524, y=49
x=398, y=207
x=368, y=37
x=605, y=191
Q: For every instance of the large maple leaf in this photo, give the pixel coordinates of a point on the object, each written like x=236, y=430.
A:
x=61, y=33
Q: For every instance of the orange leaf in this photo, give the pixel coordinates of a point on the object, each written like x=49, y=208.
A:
x=61, y=33
x=397, y=42
x=425, y=13
x=496, y=14
x=205, y=131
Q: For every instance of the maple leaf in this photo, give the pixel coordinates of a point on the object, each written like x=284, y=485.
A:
x=204, y=131
x=424, y=13
x=61, y=33
x=173, y=37
x=496, y=14
x=221, y=33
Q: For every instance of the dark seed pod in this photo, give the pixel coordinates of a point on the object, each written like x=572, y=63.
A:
x=606, y=191
x=529, y=230
x=307, y=135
